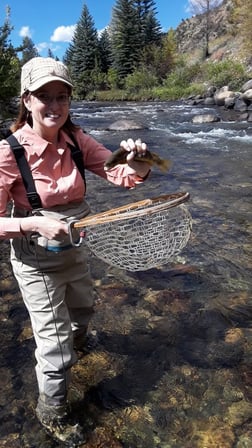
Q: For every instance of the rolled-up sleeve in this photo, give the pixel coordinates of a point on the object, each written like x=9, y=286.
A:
x=124, y=176
x=95, y=156
x=10, y=228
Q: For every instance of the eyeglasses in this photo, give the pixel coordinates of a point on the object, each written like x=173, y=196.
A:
x=63, y=99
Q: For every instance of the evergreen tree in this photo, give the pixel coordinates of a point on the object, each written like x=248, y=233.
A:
x=82, y=53
x=125, y=37
x=105, y=51
x=9, y=63
x=50, y=53
x=29, y=50
x=149, y=26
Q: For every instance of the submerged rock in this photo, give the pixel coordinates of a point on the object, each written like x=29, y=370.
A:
x=125, y=125
x=205, y=118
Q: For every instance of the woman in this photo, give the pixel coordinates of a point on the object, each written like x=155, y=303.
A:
x=53, y=275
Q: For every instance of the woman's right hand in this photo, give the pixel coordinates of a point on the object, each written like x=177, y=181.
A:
x=46, y=227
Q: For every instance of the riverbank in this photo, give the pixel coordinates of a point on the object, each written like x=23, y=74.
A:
x=232, y=105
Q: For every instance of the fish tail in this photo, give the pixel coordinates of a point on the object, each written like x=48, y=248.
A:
x=164, y=165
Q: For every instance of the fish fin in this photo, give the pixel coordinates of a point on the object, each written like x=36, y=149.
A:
x=165, y=165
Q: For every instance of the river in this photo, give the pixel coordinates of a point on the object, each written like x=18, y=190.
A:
x=173, y=365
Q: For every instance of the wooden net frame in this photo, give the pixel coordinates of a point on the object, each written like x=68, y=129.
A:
x=141, y=235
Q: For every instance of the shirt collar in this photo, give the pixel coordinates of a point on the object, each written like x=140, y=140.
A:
x=37, y=144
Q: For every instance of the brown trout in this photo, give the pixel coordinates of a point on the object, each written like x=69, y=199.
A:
x=119, y=157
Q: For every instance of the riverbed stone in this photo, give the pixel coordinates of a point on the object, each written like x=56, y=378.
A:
x=205, y=118
x=125, y=125
x=247, y=86
x=247, y=96
x=221, y=95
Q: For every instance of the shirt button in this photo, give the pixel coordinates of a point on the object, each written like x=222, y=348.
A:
x=65, y=197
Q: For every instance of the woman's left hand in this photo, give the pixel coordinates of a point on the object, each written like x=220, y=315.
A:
x=136, y=147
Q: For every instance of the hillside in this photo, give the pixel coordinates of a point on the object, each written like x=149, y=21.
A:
x=224, y=42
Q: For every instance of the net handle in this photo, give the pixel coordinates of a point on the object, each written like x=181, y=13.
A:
x=162, y=202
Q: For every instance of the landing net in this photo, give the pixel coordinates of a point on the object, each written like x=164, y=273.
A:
x=142, y=235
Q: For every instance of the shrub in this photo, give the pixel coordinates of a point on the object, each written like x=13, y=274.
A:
x=140, y=79
x=227, y=72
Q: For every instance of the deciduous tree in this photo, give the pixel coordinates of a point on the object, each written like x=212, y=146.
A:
x=204, y=7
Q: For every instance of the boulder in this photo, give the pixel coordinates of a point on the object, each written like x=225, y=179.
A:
x=229, y=102
x=205, y=118
x=240, y=105
x=209, y=101
x=221, y=95
x=247, y=86
x=247, y=96
x=125, y=125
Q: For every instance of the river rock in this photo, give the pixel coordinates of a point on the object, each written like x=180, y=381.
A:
x=229, y=102
x=125, y=125
x=247, y=96
x=240, y=105
x=250, y=117
x=221, y=95
x=209, y=101
x=205, y=118
x=247, y=86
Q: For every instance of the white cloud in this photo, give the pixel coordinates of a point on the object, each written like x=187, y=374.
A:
x=42, y=46
x=63, y=33
x=25, y=32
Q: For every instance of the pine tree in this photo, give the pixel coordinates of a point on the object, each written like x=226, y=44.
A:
x=125, y=38
x=9, y=63
x=105, y=51
x=50, y=53
x=135, y=32
x=29, y=50
x=149, y=26
x=82, y=52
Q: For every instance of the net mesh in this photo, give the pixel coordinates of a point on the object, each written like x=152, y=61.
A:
x=141, y=242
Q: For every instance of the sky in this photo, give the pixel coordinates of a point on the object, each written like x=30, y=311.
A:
x=50, y=23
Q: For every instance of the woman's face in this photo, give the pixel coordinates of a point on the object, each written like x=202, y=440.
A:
x=49, y=106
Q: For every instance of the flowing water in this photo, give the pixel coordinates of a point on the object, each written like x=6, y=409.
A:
x=173, y=365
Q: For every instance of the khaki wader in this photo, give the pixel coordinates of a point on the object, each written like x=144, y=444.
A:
x=57, y=290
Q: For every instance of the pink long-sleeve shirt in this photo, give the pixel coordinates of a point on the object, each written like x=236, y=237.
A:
x=55, y=174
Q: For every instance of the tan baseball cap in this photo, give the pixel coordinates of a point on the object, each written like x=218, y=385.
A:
x=39, y=71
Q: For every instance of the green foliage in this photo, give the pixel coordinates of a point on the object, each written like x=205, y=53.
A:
x=82, y=53
x=227, y=72
x=125, y=37
x=149, y=27
x=9, y=65
x=29, y=50
x=9, y=76
x=140, y=79
x=134, y=31
x=182, y=75
x=113, y=80
x=176, y=92
x=105, y=51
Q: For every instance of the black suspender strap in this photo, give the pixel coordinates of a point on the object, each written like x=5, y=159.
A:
x=19, y=153
x=77, y=157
